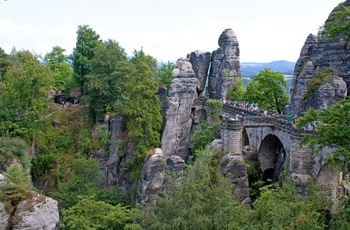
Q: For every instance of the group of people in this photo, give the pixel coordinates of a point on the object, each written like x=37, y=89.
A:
x=242, y=105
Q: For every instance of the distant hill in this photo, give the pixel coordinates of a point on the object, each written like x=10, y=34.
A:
x=249, y=69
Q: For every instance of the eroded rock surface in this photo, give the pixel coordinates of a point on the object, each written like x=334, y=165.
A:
x=225, y=66
x=321, y=54
x=152, y=178
x=183, y=93
x=39, y=212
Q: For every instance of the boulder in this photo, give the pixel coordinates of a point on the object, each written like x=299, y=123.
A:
x=39, y=212
x=175, y=164
x=151, y=179
x=234, y=167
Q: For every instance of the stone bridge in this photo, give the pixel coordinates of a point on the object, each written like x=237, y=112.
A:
x=275, y=141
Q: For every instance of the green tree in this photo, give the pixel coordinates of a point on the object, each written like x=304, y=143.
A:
x=87, y=41
x=13, y=148
x=331, y=129
x=236, y=92
x=165, y=73
x=105, y=82
x=62, y=73
x=4, y=62
x=23, y=94
x=339, y=23
x=268, y=89
x=85, y=180
x=142, y=109
x=284, y=208
x=202, y=200
x=341, y=218
x=17, y=187
x=91, y=214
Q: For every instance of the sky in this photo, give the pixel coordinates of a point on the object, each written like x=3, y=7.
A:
x=267, y=30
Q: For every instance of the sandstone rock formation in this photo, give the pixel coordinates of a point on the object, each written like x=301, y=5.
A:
x=153, y=173
x=38, y=212
x=151, y=179
x=327, y=94
x=225, y=66
x=315, y=56
x=182, y=94
x=200, y=61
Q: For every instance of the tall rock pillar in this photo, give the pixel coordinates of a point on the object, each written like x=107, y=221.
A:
x=183, y=93
x=225, y=66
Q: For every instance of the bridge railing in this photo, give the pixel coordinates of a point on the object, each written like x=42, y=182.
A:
x=258, y=118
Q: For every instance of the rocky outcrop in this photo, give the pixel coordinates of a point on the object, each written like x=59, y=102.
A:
x=233, y=166
x=39, y=212
x=183, y=92
x=315, y=56
x=153, y=173
x=330, y=91
x=200, y=61
x=36, y=212
x=109, y=159
x=152, y=178
x=225, y=66
x=300, y=88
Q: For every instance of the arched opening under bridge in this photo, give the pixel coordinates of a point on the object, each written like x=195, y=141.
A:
x=272, y=156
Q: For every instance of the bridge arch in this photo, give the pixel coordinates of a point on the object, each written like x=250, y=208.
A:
x=272, y=156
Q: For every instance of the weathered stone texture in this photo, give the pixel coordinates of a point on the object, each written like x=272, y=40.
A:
x=224, y=65
x=301, y=158
x=39, y=212
x=234, y=167
x=329, y=92
x=200, y=62
x=322, y=53
x=109, y=165
x=175, y=164
x=182, y=95
x=151, y=179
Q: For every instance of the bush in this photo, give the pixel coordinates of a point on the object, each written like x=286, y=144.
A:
x=13, y=148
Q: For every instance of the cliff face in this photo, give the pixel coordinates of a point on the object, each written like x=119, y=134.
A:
x=315, y=56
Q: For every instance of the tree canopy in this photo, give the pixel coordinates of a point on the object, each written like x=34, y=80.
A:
x=339, y=23
x=142, y=109
x=87, y=41
x=105, y=82
x=62, y=73
x=268, y=89
x=23, y=94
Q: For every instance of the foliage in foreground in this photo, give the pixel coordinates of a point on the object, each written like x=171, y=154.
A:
x=89, y=213
x=285, y=208
x=17, y=185
x=202, y=200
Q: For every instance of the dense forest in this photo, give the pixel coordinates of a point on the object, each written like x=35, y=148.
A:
x=49, y=147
